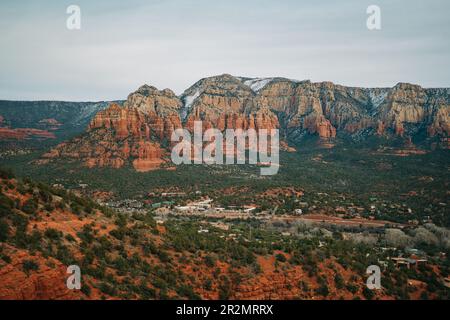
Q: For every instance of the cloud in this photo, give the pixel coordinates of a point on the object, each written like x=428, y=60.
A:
x=174, y=43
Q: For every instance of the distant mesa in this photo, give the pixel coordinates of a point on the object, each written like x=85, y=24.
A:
x=7, y=133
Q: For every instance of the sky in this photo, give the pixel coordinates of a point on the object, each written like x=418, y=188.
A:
x=173, y=43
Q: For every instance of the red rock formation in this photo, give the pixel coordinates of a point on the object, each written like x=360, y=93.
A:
x=399, y=129
x=149, y=116
x=148, y=156
x=50, y=124
x=24, y=133
x=7, y=133
x=441, y=122
x=131, y=134
x=44, y=284
x=380, y=128
x=320, y=125
x=325, y=129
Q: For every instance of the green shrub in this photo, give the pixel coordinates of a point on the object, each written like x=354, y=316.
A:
x=207, y=285
x=339, y=281
x=210, y=261
x=6, y=174
x=368, y=294
x=86, y=290
x=323, y=290
x=30, y=206
x=29, y=265
x=52, y=234
x=6, y=205
x=186, y=291
x=107, y=288
x=4, y=231
x=280, y=257
x=5, y=258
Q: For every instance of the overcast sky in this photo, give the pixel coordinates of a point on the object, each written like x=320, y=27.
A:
x=173, y=43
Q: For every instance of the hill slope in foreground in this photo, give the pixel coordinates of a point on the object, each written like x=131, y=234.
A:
x=44, y=230
x=137, y=131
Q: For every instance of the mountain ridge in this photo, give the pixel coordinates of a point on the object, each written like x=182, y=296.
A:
x=139, y=131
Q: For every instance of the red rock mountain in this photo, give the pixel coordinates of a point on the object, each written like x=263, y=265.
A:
x=138, y=132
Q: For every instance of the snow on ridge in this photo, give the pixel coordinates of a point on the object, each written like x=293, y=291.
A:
x=189, y=100
x=377, y=99
x=257, y=84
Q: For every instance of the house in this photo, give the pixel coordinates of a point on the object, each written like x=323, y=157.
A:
x=413, y=251
x=298, y=211
x=400, y=261
x=383, y=263
x=205, y=204
x=340, y=210
x=173, y=194
x=408, y=262
x=248, y=209
x=184, y=208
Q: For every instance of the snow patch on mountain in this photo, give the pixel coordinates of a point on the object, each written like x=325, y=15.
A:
x=188, y=101
x=377, y=98
x=257, y=83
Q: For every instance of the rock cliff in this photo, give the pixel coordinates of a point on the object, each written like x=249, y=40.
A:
x=139, y=131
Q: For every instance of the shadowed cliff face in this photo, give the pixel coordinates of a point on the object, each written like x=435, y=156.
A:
x=139, y=131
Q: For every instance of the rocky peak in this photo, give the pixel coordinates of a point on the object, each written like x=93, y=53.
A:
x=149, y=99
x=407, y=86
x=223, y=84
x=225, y=102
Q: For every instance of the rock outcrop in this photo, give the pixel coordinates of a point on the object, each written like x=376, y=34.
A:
x=132, y=133
x=48, y=282
x=224, y=102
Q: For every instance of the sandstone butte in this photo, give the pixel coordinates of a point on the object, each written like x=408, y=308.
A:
x=138, y=132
